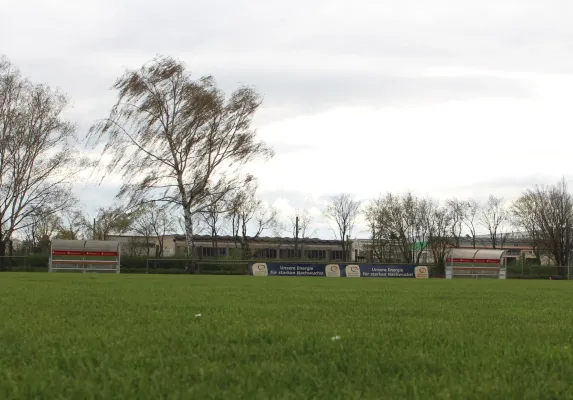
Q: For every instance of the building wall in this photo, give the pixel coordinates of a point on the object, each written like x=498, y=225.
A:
x=267, y=248
x=283, y=248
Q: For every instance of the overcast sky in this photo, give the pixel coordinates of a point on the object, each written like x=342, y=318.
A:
x=441, y=97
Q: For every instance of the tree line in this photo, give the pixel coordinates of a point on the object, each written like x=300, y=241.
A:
x=180, y=145
x=543, y=215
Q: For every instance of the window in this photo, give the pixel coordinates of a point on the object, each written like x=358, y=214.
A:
x=337, y=255
x=288, y=253
x=213, y=252
x=266, y=253
x=316, y=254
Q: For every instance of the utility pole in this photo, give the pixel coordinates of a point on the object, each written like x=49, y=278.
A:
x=296, y=237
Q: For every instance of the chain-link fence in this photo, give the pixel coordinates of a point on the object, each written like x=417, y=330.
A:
x=519, y=271
x=24, y=263
x=144, y=265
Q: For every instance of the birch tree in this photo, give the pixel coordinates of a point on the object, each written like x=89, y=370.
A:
x=178, y=140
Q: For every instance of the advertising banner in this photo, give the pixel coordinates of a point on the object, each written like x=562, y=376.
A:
x=293, y=269
x=385, y=271
x=339, y=270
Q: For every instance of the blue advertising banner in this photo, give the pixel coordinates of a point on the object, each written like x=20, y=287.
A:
x=294, y=269
x=339, y=270
x=380, y=271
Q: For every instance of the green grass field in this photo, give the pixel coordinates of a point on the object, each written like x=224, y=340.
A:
x=88, y=336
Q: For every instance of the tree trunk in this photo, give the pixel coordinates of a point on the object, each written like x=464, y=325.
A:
x=246, y=250
x=3, y=263
x=160, y=250
x=214, y=242
x=344, y=245
x=189, y=237
x=296, y=238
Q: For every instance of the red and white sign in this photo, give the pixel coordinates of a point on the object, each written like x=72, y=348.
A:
x=85, y=253
x=472, y=261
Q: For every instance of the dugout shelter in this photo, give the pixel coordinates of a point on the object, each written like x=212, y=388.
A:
x=476, y=263
x=85, y=255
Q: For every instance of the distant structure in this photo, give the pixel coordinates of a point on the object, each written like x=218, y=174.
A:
x=515, y=244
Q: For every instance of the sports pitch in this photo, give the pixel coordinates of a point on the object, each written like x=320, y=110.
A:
x=137, y=336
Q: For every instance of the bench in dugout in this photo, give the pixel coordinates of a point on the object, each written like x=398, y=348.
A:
x=85, y=256
x=476, y=263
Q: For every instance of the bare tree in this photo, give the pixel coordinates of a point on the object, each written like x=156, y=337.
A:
x=549, y=217
x=391, y=231
x=250, y=217
x=492, y=216
x=177, y=140
x=343, y=212
x=154, y=222
x=38, y=157
x=40, y=228
x=142, y=225
x=441, y=221
x=458, y=211
x=112, y=220
x=418, y=211
x=383, y=239
x=214, y=218
x=526, y=217
x=471, y=219
x=399, y=225
x=163, y=224
x=74, y=225
x=137, y=246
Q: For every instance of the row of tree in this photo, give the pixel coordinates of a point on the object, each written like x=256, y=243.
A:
x=401, y=227
x=240, y=215
x=406, y=226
